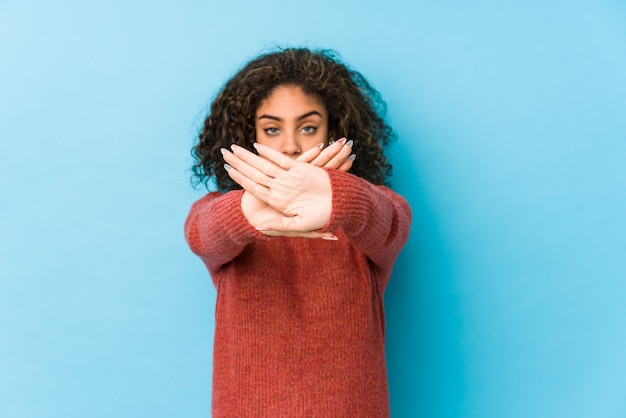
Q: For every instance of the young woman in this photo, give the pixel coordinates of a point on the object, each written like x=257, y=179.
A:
x=300, y=238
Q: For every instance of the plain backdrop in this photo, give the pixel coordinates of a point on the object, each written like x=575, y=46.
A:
x=508, y=300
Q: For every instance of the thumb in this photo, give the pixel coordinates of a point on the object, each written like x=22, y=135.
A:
x=286, y=224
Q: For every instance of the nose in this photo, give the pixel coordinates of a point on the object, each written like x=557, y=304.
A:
x=291, y=145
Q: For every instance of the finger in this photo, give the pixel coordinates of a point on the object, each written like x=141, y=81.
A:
x=335, y=152
x=274, y=156
x=329, y=153
x=290, y=223
x=323, y=235
x=263, y=165
x=257, y=190
x=309, y=155
x=246, y=169
x=340, y=157
x=347, y=164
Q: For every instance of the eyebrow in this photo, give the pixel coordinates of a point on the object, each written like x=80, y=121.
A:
x=306, y=115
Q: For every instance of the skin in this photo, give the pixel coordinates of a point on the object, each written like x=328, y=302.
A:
x=287, y=193
x=291, y=122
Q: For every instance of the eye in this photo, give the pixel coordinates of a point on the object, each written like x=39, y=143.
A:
x=308, y=129
x=271, y=131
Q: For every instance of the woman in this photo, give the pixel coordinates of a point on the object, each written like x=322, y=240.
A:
x=300, y=238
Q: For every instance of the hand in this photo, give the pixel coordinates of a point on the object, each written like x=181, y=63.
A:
x=337, y=155
x=298, y=193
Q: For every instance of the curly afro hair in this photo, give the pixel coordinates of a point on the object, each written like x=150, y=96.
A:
x=355, y=111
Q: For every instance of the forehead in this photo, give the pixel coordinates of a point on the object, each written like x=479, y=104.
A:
x=290, y=100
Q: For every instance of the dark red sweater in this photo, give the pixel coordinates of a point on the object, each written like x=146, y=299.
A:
x=299, y=323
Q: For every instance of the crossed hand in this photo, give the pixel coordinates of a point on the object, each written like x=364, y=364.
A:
x=283, y=196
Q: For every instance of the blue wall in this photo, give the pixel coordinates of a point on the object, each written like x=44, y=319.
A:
x=508, y=299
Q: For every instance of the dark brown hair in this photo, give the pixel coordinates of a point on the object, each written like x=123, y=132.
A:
x=355, y=111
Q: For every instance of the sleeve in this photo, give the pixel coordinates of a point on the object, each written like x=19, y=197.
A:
x=216, y=229
x=374, y=218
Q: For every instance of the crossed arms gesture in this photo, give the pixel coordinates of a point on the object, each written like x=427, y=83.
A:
x=283, y=196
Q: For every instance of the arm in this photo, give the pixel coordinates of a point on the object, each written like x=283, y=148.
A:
x=324, y=200
x=219, y=226
x=374, y=218
x=216, y=229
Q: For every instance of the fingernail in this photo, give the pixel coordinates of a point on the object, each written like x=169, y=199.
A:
x=349, y=143
x=227, y=167
x=342, y=141
x=223, y=151
x=333, y=238
x=352, y=157
x=320, y=146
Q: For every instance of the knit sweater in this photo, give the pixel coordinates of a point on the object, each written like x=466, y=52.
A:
x=299, y=323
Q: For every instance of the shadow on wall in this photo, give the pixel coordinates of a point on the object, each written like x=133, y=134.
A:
x=424, y=347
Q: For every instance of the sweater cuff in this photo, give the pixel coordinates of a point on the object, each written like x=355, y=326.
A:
x=237, y=228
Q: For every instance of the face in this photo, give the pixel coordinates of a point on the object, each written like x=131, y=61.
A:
x=291, y=121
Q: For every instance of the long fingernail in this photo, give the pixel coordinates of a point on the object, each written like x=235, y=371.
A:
x=227, y=167
x=331, y=238
x=352, y=157
x=342, y=141
x=349, y=143
x=223, y=151
x=320, y=146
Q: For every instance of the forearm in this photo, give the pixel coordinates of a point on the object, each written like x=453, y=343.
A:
x=374, y=218
x=216, y=229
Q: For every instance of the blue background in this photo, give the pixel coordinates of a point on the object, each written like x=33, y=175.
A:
x=508, y=300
